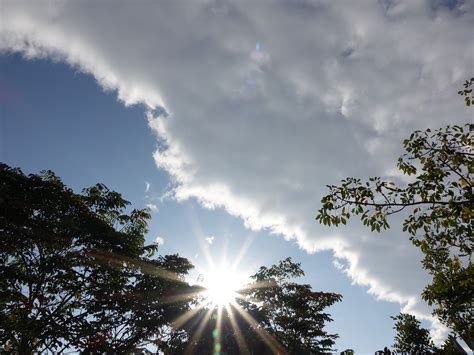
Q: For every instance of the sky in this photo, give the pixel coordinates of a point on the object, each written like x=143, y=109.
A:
x=229, y=118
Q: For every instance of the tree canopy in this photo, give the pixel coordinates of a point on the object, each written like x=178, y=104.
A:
x=74, y=270
x=75, y=274
x=273, y=314
x=411, y=338
x=291, y=312
x=440, y=201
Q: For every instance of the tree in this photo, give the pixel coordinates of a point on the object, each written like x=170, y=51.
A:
x=440, y=202
x=143, y=311
x=273, y=315
x=290, y=312
x=451, y=347
x=75, y=273
x=411, y=338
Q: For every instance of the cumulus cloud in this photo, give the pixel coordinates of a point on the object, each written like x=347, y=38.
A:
x=152, y=207
x=209, y=239
x=159, y=241
x=258, y=105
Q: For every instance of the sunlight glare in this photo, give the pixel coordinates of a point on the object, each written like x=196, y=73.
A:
x=222, y=286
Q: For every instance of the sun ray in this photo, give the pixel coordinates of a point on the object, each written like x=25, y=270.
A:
x=179, y=298
x=114, y=260
x=182, y=319
x=224, y=285
x=218, y=330
x=221, y=292
x=238, y=333
x=198, y=232
x=197, y=334
x=245, y=246
x=258, y=284
x=242, y=294
x=264, y=335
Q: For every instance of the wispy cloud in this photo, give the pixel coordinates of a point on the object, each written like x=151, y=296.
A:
x=147, y=186
x=159, y=241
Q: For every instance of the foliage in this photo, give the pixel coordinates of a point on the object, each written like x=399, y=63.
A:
x=467, y=92
x=385, y=351
x=411, y=338
x=440, y=201
x=451, y=347
x=74, y=271
x=75, y=274
x=274, y=315
x=290, y=312
x=227, y=331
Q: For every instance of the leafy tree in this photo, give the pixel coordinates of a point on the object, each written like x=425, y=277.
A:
x=142, y=313
x=292, y=313
x=411, y=338
x=75, y=274
x=74, y=271
x=273, y=315
x=440, y=202
x=451, y=347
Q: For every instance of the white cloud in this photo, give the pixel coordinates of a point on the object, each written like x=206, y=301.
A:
x=152, y=207
x=159, y=241
x=209, y=239
x=147, y=186
x=330, y=91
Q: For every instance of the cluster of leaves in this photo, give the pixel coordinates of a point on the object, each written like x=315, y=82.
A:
x=440, y=201
x=467, y=92
x=74, y=271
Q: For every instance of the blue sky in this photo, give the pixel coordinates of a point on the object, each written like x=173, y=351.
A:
x=241, y=113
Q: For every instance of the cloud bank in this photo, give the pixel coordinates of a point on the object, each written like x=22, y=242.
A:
x=258, y=105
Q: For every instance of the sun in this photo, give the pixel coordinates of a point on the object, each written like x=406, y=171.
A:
x=222, y=285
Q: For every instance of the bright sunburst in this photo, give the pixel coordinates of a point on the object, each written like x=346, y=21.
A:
x=222, y=285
